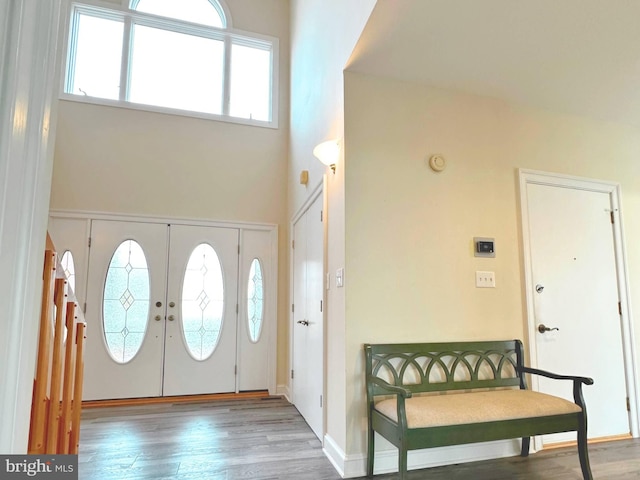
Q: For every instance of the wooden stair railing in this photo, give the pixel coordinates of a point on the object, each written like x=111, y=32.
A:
x=57, y=390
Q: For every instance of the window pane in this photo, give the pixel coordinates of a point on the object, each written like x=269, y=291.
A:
x=96, y=65
x=250, y=83
x=176, y=70
x=202, y=302
x=196, y=11
x=255, y=301
x=125, y=301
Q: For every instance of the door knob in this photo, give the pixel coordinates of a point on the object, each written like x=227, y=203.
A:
x=157, y=318
x=539, y=288
x=171, y=318
x=543, y=328
x=172, y=304
x=303, y=322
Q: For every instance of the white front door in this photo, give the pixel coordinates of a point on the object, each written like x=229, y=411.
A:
x=202, y=301
x=574, y=293
x=125, y=314
x=163, y=307
x=308, y=317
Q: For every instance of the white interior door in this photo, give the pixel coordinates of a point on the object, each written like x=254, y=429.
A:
x=125, y=310
x=308, y=317
x=200, y=350
x=575, y=294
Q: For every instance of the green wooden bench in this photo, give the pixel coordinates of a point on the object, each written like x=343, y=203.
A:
x=423, y=395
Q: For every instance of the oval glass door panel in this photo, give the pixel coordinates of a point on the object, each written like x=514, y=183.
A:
x=255, y=301
x=202, y=302
x=125, y=305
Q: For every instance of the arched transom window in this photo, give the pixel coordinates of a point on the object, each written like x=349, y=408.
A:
x=173, y=56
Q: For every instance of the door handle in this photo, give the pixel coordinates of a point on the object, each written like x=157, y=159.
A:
x=157, y=318
x=543, y=328
x=171, y=318
x=303, y=322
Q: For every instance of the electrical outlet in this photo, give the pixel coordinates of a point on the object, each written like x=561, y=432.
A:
x=485, y=279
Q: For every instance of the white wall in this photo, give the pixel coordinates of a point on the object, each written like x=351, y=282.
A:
x=134, y=162
x=409, y=230
x=323, y=35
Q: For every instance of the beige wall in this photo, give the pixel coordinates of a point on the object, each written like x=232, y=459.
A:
x=409, y=230
x=130, y=161
x=323, y=35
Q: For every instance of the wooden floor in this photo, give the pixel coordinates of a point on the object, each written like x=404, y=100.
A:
x=267, y=439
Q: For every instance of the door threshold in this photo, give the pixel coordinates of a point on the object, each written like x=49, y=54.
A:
x=119, y=402
x=590, y=441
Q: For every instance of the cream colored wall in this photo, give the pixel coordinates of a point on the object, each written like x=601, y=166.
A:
x=129, y=161
x=323, y=35
x=409, y=230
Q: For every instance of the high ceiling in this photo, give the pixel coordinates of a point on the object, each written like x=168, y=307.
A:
x=573, y=56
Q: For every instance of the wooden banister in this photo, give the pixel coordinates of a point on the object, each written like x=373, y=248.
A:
x=57, y=391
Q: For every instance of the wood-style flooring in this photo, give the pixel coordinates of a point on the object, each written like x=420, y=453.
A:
x=268, y=439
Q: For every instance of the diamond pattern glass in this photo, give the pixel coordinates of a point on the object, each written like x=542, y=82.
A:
x=125, y=301
x=255, y=301
x=202, y=302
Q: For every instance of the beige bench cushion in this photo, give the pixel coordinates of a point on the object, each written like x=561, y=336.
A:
x=476, y=407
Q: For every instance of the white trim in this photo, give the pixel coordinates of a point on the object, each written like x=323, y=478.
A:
x=283, y=389
x=613, y=189
x=29, y=38
x=127, y=217
x=386, y=461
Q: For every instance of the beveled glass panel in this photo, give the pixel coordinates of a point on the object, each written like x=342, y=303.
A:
x=125, y=301
x=202, y=302
x=255, y=301
x=69, y=269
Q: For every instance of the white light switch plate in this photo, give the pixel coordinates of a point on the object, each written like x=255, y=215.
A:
x=340, y=277
x=485, y=279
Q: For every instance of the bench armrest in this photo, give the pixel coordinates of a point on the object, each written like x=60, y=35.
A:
x=392, y=389
x=544, y=373
x=577, y=382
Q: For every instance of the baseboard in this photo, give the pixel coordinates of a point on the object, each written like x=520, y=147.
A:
x=284, y=391
x=386, y=461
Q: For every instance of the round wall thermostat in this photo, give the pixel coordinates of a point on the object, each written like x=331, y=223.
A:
x=437, y=163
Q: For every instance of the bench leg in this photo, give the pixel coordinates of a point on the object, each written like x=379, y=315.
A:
x=402, y=462
x=526, y=441
x=370, y=451
x=583, y=452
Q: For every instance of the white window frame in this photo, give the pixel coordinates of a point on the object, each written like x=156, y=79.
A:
x=128, y=17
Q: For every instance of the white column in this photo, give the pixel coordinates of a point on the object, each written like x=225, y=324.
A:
x=29, y=78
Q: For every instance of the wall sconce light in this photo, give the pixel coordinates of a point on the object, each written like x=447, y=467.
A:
x=328, y=153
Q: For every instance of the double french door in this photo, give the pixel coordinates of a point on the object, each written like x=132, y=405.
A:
x=178, y=310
